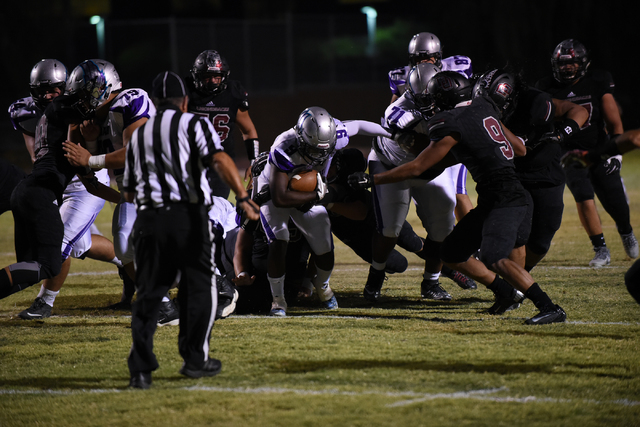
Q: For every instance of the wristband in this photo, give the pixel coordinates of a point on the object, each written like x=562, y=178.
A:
x=97, y=162
x=252, y=145
x=242, y=199
x=243, y=274
x=569, y=127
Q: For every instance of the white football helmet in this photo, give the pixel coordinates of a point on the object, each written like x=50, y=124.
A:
x=110, y=74
x=316, y=132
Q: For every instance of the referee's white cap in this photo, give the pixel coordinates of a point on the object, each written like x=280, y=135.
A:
x=168, y=84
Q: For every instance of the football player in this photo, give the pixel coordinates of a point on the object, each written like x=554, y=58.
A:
x=226, y=103
x=308, y=146
x=35, y=200
x=470, y=132
x=79, y=208
x=573, y=81
x=530, y=114
x=105, y=138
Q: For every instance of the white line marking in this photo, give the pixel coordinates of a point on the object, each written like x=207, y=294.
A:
x=483, y=394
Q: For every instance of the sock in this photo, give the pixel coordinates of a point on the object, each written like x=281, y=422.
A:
x=539, y=298
x=501, y=288
x=598, y=241
x=277, y=288
x=321, y=283
x=431, y=276
x=116, y=262
x=48, y=296
x=380, y=266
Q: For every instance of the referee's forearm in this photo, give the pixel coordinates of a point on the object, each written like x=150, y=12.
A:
x=227, y=170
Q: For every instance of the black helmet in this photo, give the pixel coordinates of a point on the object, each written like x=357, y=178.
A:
x=502, y=87
x=210, y=63
x=449, y=89
x=567, y=52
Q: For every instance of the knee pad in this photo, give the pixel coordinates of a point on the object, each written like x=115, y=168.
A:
x=396, y=263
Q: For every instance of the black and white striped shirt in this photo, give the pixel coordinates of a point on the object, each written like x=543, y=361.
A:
x=167, y=159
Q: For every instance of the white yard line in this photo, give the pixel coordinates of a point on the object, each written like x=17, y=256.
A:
x=414, y=397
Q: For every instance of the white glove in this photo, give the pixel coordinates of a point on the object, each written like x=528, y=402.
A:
x=321, y=187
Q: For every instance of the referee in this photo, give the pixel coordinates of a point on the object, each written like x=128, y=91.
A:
x=165, y=175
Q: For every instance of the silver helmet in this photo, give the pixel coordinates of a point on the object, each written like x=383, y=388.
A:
x=424, y=46
x=46, y=75
x=88, y=84
x=316, y=132
x=110, y=74
x=419, y=77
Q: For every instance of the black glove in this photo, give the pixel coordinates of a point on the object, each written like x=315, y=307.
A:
x=360, y=180
x=564, y=130
x=612, y=165
x=306, y=207
x=263, y=196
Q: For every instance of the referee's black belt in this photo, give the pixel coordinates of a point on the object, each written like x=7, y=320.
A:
x=178, y=206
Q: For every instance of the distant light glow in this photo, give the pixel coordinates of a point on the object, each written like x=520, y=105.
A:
x=369, y=11
x=95, y=19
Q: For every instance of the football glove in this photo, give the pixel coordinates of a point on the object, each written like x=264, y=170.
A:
x=321, y=187
x=612, y=165
x=360, y=180
x=565, y=130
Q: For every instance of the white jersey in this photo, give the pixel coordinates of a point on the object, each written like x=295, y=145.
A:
x=128, y=107
x=401, y=114
x=399, y=76
x=285, y=156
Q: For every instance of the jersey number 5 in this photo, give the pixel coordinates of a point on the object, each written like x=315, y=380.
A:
x=493, y=128
x=220, y=124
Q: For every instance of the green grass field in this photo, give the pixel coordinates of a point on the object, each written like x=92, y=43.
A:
x=404, y=362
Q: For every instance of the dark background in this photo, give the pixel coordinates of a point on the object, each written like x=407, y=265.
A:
x=293, y=54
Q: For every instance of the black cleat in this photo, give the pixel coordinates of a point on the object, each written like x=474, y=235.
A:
x=141, y=380
x=210, y=368
x=374, y=283
x=38, y=310
x=227, y=297
x=169, y=314
x=553, y=314
x=120, y=306
x=502, y=305
x=431, y=289
x=460, y=279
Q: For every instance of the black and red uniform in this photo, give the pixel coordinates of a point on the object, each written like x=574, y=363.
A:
x=221, y=108
x=539, y=171
x=599, y=179
x=502, y=218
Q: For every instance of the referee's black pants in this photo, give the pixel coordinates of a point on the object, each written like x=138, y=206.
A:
x=167, y=240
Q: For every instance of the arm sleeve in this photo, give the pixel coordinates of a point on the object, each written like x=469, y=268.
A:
x=363, y=127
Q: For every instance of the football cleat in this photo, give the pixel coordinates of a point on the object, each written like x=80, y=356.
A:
x=278, y=308
x=374, y=283
x=502, y=304
x=630, y=244
x=431, y=289
x=38, y=310
x=552, y=314
x=460, y=279
x=331, y=303
x=169, y=314
x=210, y=368
x=601, y=258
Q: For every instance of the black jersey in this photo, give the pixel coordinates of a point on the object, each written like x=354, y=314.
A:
x=587, y=92
x=221, y=108
x=532, y=118
x=51, y=167
x=483, y=149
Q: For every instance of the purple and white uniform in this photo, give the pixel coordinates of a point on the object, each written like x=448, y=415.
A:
x=127, y=107
x=435, y=199
x=459, y=63
x=79, y=209
x=285, y=157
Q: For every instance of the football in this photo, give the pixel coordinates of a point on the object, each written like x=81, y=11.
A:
x=304, y=181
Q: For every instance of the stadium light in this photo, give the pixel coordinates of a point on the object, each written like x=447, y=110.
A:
x=372, y=14
x=98, y=21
